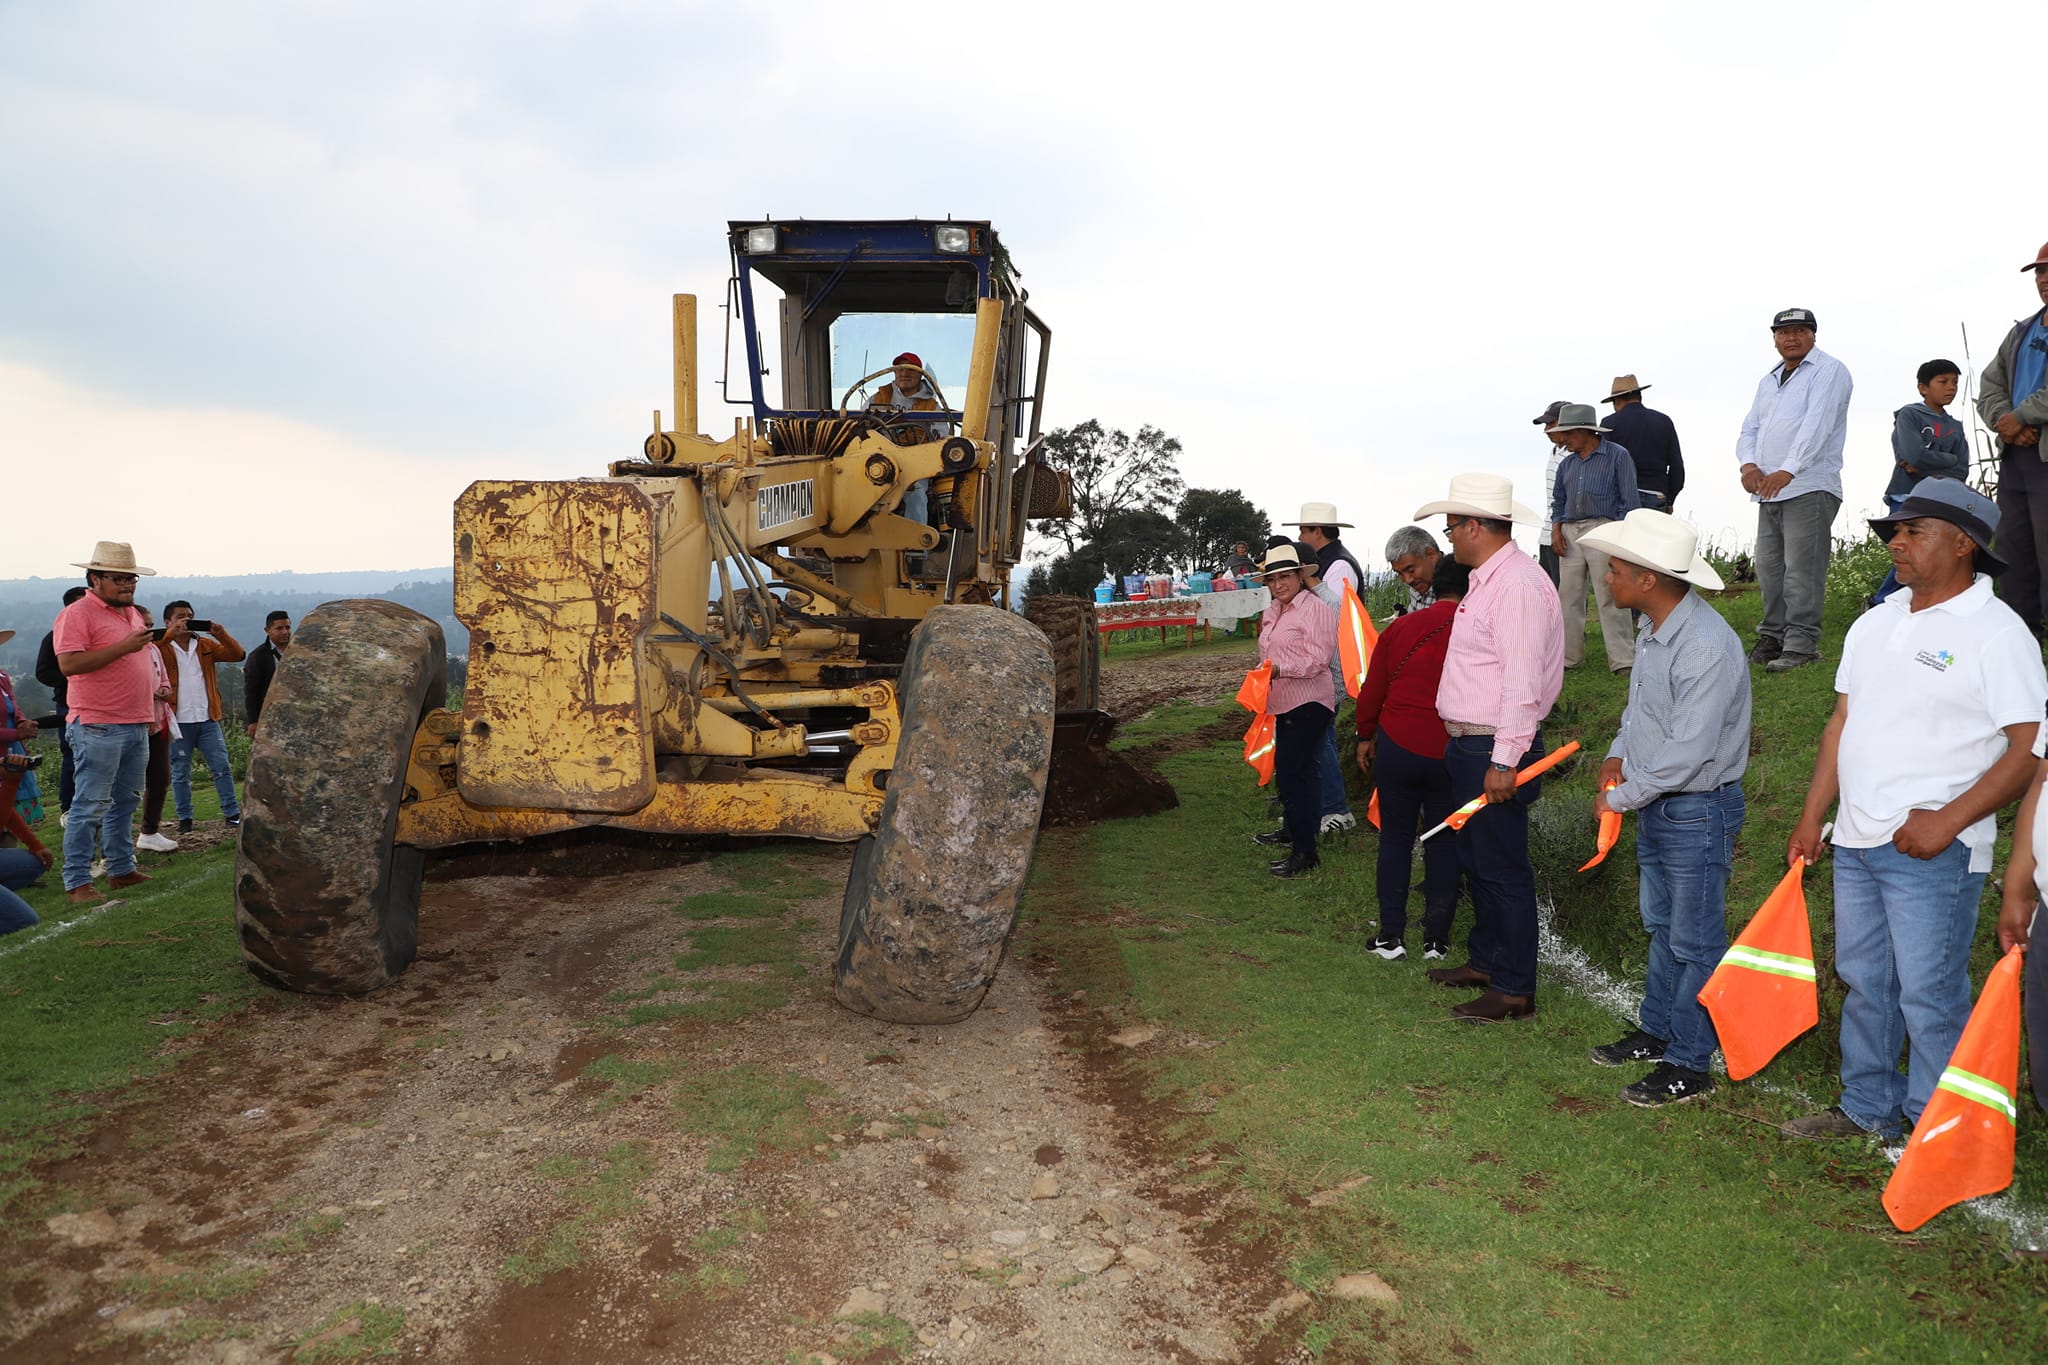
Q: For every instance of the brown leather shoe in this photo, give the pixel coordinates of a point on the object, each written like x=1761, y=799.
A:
x=1467, y=975
x=1493, y=1007
x=84, y=895
x=128, y=879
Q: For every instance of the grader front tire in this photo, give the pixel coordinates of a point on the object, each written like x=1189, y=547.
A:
x=1069, y=626
x=325, y=900
x=933, y=894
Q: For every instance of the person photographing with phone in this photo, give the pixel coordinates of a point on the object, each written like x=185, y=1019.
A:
x=111, y=692
x=191, y=648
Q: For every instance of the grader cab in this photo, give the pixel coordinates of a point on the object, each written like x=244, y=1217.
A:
x=799, y=627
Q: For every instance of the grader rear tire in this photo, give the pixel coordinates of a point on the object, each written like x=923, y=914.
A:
x=326, y=902
x=933, y=894
x=1069, y=626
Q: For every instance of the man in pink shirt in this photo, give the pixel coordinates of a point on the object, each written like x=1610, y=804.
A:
x=100, y=641
x=1297, y=635
x=1502, y=673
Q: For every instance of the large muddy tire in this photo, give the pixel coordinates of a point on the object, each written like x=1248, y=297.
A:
x=933, y=894
x=1069, y=626
x=325, y=900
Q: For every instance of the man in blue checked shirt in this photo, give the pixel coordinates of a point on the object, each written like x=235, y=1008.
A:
x=1790, y=451
x=2013, y=399
x=1596, y=484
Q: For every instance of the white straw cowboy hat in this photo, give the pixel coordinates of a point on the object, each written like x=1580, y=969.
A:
x=1318, y=514
x=1280, y=559
x=1625, y=386
x=1479, y=495
x=114, y=556
x=1656, y=540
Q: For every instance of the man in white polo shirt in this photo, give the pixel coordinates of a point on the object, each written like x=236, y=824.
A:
x=1938, y=700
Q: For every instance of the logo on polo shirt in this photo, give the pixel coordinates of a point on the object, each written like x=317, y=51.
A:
x=1936, y=659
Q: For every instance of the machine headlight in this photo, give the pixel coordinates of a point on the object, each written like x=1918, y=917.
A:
x=760, y=241
x=949, y=238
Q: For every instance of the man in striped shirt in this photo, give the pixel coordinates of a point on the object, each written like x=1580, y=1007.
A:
x=1502, y=674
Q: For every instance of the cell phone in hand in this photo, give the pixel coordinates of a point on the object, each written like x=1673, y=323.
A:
x=158, y=632
x=195, y=626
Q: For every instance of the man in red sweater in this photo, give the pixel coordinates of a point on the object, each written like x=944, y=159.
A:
x=1401, y=737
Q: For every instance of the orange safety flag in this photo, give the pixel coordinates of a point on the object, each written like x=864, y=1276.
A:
x=1356, y=635
x=1962, y=1146
x=1610, y=830
x=1372, y=808
x=1258, y=748
x=1764, y=994
x=1257, y=684
x=1457, y=818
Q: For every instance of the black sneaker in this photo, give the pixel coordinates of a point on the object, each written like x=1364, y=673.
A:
x=1433, y=951
x=184, y=827
x=1636, y=1048
x=1273, y=838
x=233, y=822
x=1392, y=949
x=1766, y=650
x=1667, y=1084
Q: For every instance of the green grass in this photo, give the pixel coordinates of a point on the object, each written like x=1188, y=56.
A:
x=725, y=1002
x=360, y=1330
x=216, y=1282
x=625, y=1078
x=303, y=1235
x=86, y=1010
x=742, y=946
x=1521, y=1209
x=747, y=1110
x=599, y=1192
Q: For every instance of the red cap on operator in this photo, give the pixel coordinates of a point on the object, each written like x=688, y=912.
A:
x=908, y=358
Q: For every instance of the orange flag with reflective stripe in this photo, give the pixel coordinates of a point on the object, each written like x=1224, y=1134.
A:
x=1258, y=748
x=1962, y=1146
x=1257, y=685
x=1356, y=636
x=1457, y=818
x=1609, y=831
x=1764, y=994
x=1372, y=808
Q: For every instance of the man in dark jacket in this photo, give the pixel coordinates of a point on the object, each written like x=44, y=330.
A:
x=1651, y=441
x=52, y=677
x=261, y=665
x=2013, y=399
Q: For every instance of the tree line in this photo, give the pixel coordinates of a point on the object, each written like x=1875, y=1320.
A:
x=1134, y=513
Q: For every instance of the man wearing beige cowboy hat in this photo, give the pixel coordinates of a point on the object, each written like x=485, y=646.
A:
x=101, y=641
x=1502, y=673
x=1650, y=440
x=1596, y=485
x=1677, y=761
x=1319, y=527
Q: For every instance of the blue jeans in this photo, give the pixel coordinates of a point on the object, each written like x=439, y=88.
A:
x=1903, y=928
x=1493, y=848
x=18, y=867
x=1298, y=737
x=111, y=762
x=1330, y=779
x=205, y=735
x=1685, y=845
x=1413, y=789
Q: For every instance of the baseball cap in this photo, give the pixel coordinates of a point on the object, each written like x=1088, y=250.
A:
x=1795, y=317
x=1956, y=503
x=1550, y=413
x=908, y=358
x=2040, y=259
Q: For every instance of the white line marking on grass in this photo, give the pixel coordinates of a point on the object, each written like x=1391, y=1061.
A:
x=61, y=927
x=1582, y=976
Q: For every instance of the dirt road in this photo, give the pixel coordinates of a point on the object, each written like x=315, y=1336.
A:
x=621, y=1118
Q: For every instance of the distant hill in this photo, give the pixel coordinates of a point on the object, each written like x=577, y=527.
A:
x=239, y=601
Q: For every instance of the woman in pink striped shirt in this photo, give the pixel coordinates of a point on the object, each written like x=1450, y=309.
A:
x=1297, y=635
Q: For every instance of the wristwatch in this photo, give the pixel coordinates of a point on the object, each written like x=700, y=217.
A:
x=1502, y=768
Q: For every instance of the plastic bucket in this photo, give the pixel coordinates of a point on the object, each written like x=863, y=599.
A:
x=1198, y=582
x=1104, y=592
x=1158, y=586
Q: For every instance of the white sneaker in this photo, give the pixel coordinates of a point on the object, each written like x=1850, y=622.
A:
x=1342, y=822
x=99, y=869
x=63, y=818
x=156, y=843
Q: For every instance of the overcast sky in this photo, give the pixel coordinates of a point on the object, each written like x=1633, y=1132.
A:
x=282, y=278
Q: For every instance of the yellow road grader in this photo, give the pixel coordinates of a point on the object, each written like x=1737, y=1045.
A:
x=797, y=628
